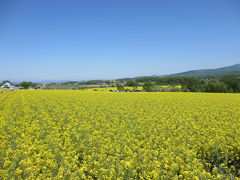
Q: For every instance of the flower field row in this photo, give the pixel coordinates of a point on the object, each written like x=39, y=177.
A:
x=47, y=134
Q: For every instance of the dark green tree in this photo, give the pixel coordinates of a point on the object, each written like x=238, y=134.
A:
x=193, y=84
x=131, y=83
x=148, y=86
x=216, y=86
x=232, y=82
x=26, y=84
x=120, y=87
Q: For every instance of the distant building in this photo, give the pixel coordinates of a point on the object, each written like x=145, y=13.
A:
x=7, y=85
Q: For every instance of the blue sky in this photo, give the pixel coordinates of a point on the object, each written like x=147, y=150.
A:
x=108, y=39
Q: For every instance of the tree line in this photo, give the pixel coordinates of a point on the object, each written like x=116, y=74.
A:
x=221, y=84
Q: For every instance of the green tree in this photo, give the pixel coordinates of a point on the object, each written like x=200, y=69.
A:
x=148, y=86
x=120, y=87
x=25, y=84
x=131, y=83
x=232, y=82
x=216, y=86
x=193, y=84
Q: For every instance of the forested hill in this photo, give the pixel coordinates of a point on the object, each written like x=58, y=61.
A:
x=228, y=70
x=234, y=69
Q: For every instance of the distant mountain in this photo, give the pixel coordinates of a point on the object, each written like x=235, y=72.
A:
x=234, y=69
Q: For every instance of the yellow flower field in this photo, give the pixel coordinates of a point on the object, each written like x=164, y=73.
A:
x=56, y=134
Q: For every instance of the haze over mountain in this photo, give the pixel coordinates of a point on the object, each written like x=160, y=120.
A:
x=234, y=69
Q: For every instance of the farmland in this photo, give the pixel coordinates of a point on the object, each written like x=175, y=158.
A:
x=55, y=134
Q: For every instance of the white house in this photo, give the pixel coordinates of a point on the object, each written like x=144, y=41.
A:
x=7, y=85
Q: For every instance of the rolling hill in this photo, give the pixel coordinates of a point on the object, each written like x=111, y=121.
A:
x=234, y=69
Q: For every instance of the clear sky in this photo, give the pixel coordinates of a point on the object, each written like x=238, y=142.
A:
x=108, y=39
